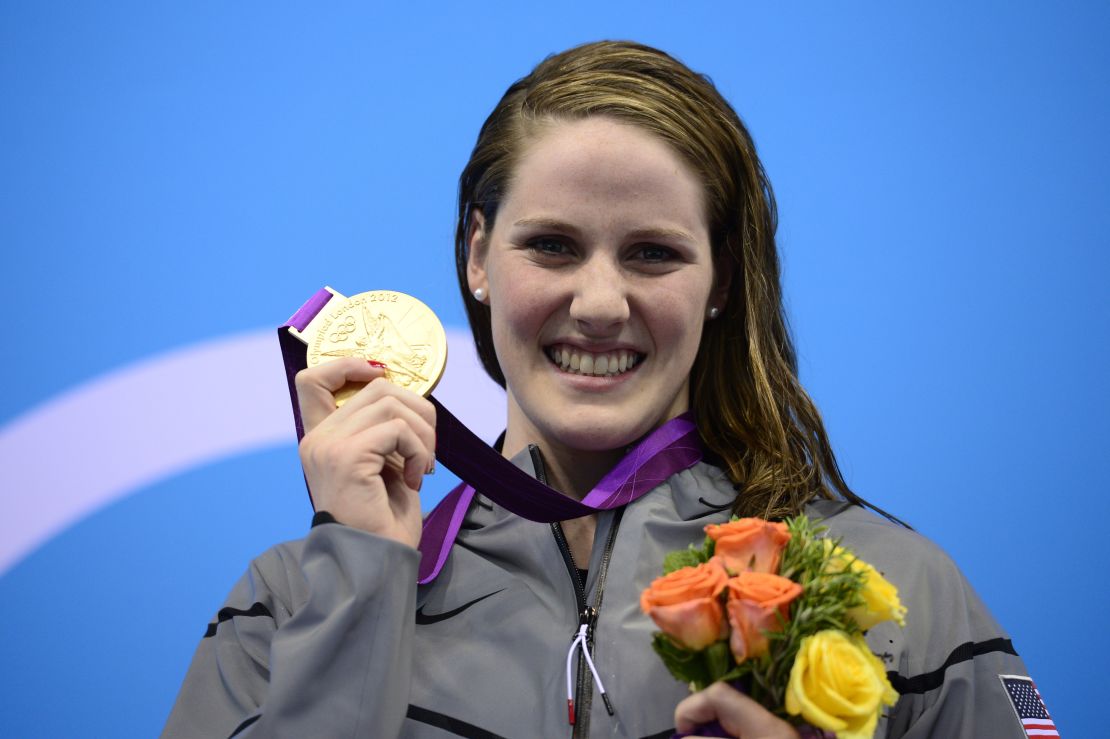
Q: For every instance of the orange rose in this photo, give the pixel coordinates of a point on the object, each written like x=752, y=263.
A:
x=685, y=604
x=755, y=602
x=749, y=544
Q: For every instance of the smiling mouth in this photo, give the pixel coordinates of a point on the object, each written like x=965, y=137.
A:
x=603, y=364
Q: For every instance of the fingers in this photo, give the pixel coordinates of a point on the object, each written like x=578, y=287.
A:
x=693, y=711
x=365, y=461
x=384, y=420
x=354, y=477
x=316, y=386
x=737, y=713
x=381, y=401
x=397, y=436
x=377, y=389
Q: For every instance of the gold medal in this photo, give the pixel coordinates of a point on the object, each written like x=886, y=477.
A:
x=384, y=326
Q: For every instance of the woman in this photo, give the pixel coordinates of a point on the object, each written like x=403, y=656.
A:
x=615, y=248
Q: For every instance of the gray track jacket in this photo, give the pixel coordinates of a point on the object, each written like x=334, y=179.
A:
x=329, y=636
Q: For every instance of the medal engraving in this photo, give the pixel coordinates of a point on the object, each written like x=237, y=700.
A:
x=389, y=327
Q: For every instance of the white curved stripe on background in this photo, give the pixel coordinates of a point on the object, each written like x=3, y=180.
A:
x=162, y=416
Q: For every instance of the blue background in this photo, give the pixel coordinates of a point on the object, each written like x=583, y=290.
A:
x=171, y=174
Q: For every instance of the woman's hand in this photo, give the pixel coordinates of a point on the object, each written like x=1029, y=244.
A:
x=364, y=462
x=738, y=714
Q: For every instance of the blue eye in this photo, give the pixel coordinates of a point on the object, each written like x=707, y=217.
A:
x=546, y=245
x=653, y=253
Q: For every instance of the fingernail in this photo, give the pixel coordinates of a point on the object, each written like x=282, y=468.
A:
x=376, y=363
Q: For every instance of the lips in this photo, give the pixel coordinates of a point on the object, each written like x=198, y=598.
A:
x=577, y=361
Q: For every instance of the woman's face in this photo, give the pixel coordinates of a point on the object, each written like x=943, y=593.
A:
x=598, y=273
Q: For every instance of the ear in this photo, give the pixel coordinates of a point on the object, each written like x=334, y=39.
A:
x=477, y=242
x=722, y=281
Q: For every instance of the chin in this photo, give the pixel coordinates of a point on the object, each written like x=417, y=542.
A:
x=601, y=434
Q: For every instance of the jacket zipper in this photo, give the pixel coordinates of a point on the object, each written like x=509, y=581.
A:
x=587, y=615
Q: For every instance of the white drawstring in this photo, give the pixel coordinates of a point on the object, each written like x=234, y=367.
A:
x=580, y=640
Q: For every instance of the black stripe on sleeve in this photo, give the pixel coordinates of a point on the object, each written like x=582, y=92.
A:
x=228, y=613
x=449, y=723
x=932, y=680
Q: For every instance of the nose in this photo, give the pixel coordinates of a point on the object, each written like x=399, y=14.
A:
x=601, y=300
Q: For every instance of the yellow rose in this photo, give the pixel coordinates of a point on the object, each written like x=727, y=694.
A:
x=880, y=597
x=839, y=685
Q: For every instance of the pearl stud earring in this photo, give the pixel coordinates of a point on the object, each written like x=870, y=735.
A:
x=479, y=294
x=713, y=312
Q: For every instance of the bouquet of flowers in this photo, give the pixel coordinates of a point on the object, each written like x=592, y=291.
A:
x=779, y=610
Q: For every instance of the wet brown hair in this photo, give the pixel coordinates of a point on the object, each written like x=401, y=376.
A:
x=753, y=414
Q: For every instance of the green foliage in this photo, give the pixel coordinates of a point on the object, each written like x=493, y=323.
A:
x=686, y=665
x=692, y=556
x=699, y=669
x=827, y=595
x=718, y=660
x=681, y=558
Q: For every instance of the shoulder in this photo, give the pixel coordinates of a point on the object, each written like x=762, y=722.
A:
x=929, y=582
x=881, y=541
x=949, y=660
x=280, y=565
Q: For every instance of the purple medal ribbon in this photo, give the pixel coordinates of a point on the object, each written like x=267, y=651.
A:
x=671, y=448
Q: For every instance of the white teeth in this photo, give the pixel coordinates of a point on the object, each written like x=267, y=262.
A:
x=580, y=362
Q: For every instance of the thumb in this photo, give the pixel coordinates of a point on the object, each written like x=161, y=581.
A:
x=738, y=714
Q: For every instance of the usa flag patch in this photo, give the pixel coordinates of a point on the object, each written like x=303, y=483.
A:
x=1030, y=707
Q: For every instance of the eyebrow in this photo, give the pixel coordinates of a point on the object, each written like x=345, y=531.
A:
x=640, y=233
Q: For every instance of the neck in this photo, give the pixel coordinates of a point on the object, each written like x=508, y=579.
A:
x=570, y=471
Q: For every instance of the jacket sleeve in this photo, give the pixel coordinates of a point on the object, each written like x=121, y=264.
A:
x=319, y=645
x=951, y=685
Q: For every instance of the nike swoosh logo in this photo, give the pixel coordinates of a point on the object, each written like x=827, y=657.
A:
x=423, y=619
